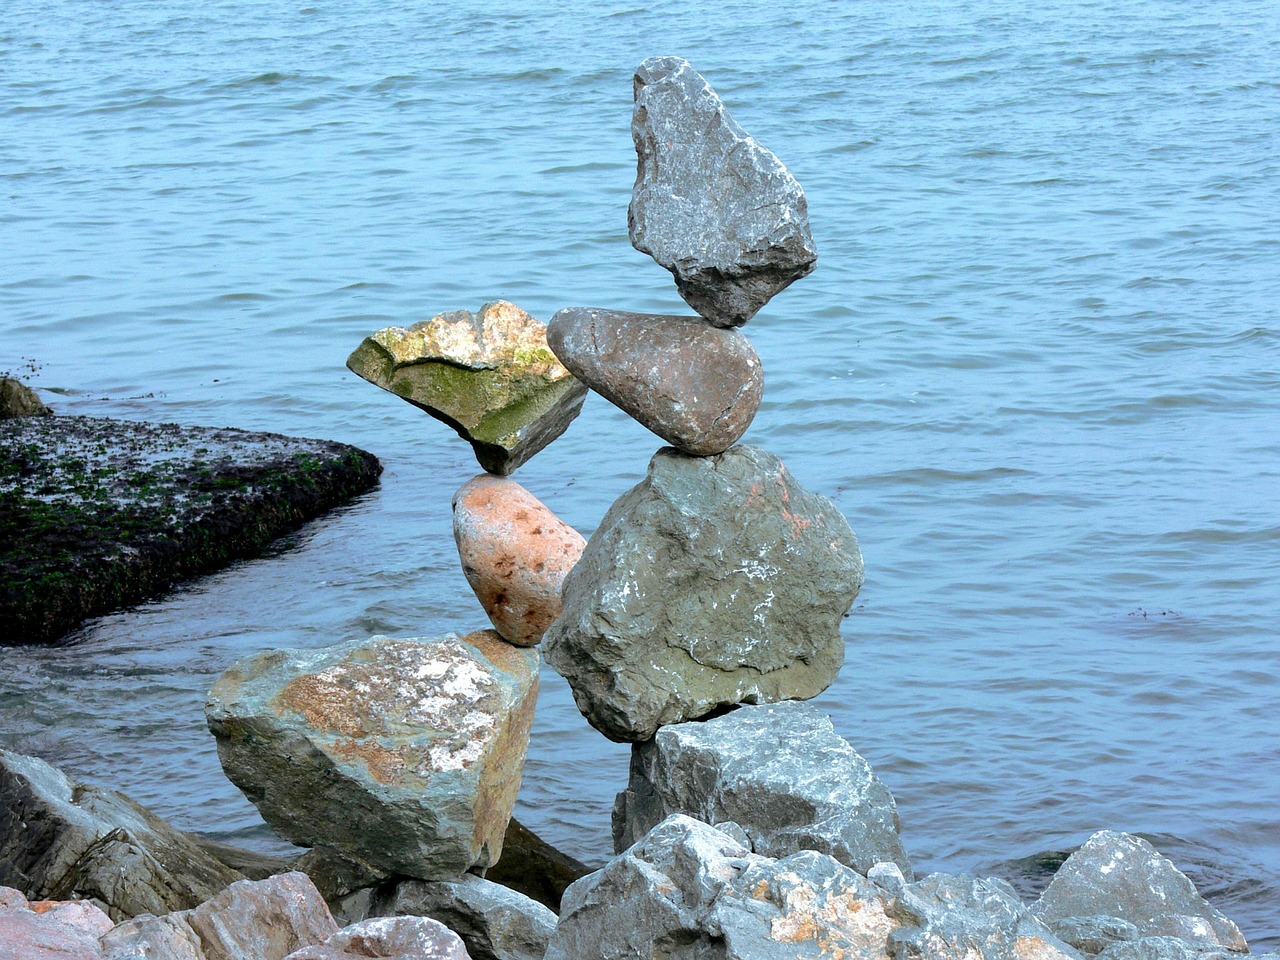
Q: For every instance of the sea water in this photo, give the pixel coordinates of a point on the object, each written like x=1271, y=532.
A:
x=1037, y=368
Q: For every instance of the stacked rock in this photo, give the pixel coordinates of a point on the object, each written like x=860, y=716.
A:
x=401, y=758
x=718, y=581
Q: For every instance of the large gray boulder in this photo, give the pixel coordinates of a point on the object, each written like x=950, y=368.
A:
x=779, y=771
x=715, y=581
x=695, y=386
x=711, y=204
x=688, y=890
x=402, y=755
x=494, y=922
x=1120, y=875
x=60, y=840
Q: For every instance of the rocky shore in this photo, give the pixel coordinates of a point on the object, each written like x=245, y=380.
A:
x=703, y=611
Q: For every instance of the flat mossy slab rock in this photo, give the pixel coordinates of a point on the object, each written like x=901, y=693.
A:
x=1119, y=875
x=489, y=375
x=715, y=581
x=710, y=203
x=779, y=771
x=97, y=514
x=696, y=386
x=403, y=755
x=61, y=839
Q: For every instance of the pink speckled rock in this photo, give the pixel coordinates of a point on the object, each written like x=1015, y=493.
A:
x=77, y=914
x=391, y=938
x=27, y=935
x=515, y=553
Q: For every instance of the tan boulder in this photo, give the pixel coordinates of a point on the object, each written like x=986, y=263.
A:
x=515, y=554
x=402, y=755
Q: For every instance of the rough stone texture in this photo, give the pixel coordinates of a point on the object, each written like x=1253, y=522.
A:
x=515, y=553
x=715, y=581
x=778, y=771
x=489, y=375
x=711, y=204
x=250, y=920
x=689, y=891
x=1166, y=948
x=19, y=400
x=1092, y=935
x=392, y=938
x=82, y=915
x=695, y=386
x=97, y=514
x=977, y=919
x=404, y=755
x=494, y=922
x=61, y=840
x=531, y=866
x=1121, y=875
x=27, y=935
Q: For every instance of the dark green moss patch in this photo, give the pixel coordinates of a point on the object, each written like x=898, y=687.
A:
x=97, y=514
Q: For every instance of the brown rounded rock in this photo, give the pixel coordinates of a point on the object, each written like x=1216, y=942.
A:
x=696, y=386
x=515, y=554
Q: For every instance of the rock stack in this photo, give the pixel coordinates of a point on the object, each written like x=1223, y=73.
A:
x=719, y=580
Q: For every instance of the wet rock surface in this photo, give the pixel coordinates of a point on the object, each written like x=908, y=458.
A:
x=97, y=514
x=697, y=387
x=715, y=581
x=711, y=204
x=494, y=922
x=19, y=400
x=779, y=772
x=60, y=839
x=1120, y=875
x=515, y=553
x=489, y=375
x=404, y=755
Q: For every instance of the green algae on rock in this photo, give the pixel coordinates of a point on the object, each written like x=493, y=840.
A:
x=96, y=514
x=489, y=375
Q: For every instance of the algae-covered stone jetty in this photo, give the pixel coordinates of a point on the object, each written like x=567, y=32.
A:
x=96, y=514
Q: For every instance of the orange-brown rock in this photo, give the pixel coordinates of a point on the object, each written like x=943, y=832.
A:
x=404, y=756
x=515, y=553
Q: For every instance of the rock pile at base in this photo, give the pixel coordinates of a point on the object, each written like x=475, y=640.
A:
x=403, y=756
x=777, y=772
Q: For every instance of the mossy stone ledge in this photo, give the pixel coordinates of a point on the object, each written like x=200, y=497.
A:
x=97, y=514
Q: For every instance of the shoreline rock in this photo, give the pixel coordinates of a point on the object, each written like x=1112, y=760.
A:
x=98, y=514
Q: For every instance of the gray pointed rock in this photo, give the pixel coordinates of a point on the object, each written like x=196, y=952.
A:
x=715, y=581
x=779, y=772
x=711, y=204
x=695, y=386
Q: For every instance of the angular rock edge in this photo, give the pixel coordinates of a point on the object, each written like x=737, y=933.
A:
x=171, y=503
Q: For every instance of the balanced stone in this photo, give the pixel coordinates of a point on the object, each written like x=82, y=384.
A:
x=711, y=204
x=1120, y=875
x=696, y=386
x=515, y=554
x=489, y=375
x=403, y=755
x=715, y=581
x=778, y=771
